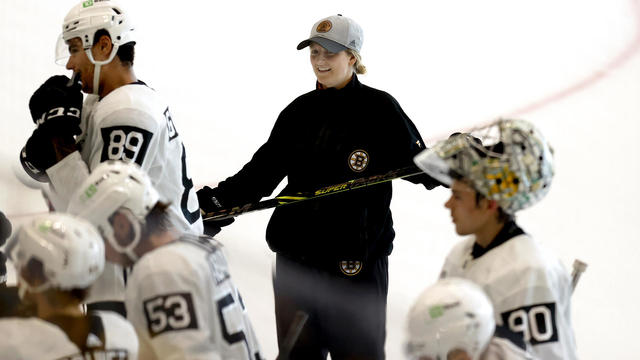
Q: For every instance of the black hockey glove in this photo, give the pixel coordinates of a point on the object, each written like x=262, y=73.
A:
x=37, y=156
x=210, y=200
x=429, y=182
x=55, y=109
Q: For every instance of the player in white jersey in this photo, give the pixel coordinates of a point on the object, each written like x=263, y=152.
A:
x=180, y=297
x=453, y=320
x=491, y=178
x=57, y=256
x=122, y=119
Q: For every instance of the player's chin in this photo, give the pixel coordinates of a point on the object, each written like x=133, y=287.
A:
x=460, y=230
x=86, y=82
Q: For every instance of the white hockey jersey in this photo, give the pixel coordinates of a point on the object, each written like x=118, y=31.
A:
x=529, y=288
x=132, y=124
x=34, y=338
x=503, y=349
x=183, y=304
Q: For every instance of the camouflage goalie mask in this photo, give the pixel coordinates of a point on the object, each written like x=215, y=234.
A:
x=508, y=161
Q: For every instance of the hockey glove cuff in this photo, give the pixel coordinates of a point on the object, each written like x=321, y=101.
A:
x=210, y=200
x=42, y=152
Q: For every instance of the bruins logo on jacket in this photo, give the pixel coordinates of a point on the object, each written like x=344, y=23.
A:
x=351, y=267
x=358, y=160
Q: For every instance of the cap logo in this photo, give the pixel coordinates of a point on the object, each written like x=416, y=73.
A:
x=87, y=3
x=358, y=160
x=324, y=26
x=351, y=267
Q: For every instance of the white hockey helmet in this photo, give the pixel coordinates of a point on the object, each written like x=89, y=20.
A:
x=69, y=248
x=452, y=314
x=85, y=19
x=508, y=161
x=115, y=185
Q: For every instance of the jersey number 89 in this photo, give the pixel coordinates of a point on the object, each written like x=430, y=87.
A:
x=127, y=143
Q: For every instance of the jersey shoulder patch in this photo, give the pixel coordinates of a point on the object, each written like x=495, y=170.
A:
x=171, y=128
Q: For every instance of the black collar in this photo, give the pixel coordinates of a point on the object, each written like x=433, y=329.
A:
x=508, y=231
x=353, y=83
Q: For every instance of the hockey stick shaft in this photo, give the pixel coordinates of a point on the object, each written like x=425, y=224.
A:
x=292, y=335
x=578, y=268
x=304, y=196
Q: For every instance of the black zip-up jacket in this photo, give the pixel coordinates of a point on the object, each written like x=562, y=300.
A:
x=313, y=144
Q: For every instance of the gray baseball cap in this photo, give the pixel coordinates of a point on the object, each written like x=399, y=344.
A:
x=335, y=33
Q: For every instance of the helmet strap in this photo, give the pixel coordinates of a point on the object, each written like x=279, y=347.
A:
x=96, y=79
x=23, y=287
x=98, y=65
x=137, y=234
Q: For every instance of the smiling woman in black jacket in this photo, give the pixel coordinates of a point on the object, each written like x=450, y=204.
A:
x=332, y=252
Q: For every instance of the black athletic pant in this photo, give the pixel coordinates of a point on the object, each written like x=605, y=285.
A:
x=347, y=313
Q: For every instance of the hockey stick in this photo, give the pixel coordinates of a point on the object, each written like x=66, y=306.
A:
x=292, y=335
x=578, y=268
x=303, y=196
x=299, y=319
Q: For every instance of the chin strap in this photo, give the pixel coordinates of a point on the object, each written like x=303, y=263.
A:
x=96, y=79
x=137, y=232
x=98, y=65
x=23, y=287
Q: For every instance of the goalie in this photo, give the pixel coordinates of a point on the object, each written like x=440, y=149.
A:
x=506, y=168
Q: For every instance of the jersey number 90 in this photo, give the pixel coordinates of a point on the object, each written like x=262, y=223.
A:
x=536, y=323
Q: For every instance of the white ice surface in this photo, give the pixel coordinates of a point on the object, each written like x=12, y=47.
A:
x=228, y=68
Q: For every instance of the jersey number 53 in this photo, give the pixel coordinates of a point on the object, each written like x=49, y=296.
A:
x=170, y=312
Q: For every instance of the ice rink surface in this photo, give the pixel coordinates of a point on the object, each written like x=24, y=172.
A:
x=228, y=68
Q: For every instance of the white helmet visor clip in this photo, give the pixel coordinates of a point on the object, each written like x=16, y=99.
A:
x=128, y=247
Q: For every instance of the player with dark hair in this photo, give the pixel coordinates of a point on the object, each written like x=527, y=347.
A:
x=57, y=257
x=179, y=297
x=332, y=250
x=509, y=169
x=121, y=119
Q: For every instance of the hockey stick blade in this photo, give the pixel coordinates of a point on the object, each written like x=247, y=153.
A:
x=304, y=196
